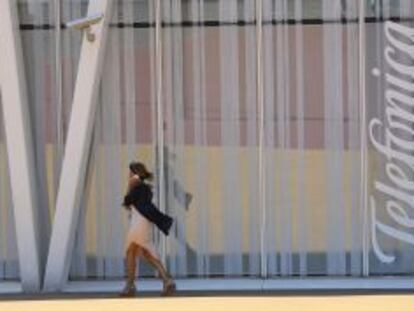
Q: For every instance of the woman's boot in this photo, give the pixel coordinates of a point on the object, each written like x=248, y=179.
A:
x=169, y=285
x=129, y=289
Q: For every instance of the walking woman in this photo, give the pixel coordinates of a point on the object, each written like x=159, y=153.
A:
x=139, y=237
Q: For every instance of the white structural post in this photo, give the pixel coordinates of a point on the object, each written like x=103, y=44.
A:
x=76, y=150
x=260, y=104
x=160, y=119
x=19, y=145
x=363, y=135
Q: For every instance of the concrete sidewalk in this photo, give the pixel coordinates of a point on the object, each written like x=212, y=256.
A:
x=215, y=303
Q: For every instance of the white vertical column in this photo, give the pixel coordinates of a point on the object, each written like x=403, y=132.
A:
x=362, y=102
x=76, y=152
x=158, y=167
x=269, y=248
x=303, y=207
x=19, y=145
x=284, y=125
x=160, y=118
x=260, y=105
x=250, y=101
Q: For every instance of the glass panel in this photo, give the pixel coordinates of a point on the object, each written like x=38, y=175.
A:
x=313, y=213
x=390, y=120
x=211, y=137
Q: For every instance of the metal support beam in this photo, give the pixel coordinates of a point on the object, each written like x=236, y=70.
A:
x=19, y=145
x=76, y=151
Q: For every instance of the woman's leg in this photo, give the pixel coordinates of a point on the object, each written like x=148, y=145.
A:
x=169, y=285
x=131, y=255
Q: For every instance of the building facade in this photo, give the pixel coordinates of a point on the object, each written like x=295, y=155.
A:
x=280, y=133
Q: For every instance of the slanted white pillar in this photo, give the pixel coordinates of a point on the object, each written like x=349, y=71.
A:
x=76, y=150
x=19, y=145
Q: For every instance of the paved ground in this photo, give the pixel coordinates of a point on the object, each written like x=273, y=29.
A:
x=210, y=302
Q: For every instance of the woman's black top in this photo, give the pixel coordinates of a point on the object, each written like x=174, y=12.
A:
x=140, y=194
x=141, y=198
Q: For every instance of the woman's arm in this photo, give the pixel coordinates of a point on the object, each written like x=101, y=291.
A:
x=132, y=182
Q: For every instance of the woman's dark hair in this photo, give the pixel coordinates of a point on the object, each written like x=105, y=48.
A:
x=139, y=169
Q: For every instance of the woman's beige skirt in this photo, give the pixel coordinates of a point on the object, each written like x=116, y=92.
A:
x=140, y=232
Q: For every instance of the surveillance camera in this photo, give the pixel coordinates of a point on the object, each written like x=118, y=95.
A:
x=85, y=22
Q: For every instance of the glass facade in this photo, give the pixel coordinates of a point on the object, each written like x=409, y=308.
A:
x=390, y=134
x=267, y=188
